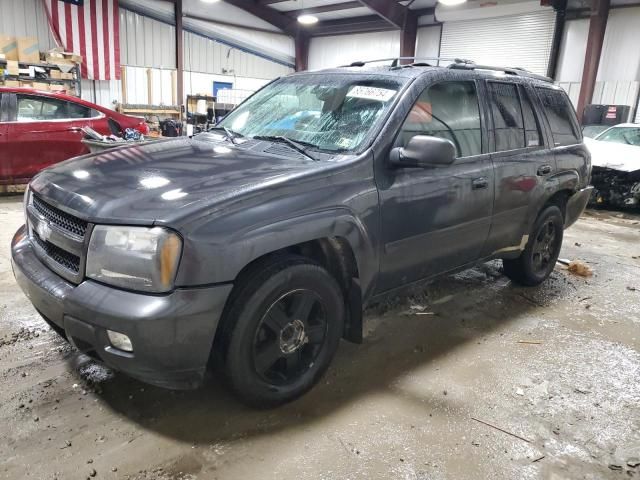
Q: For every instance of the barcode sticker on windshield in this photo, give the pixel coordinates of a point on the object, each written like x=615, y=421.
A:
x=371, y=93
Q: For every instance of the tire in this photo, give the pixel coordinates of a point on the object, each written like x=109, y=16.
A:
x=284, y=324
x=540, y=255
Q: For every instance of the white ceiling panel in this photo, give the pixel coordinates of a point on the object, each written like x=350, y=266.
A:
x=352, y=12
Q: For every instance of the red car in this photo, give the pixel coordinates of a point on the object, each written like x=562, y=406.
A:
x=39, y=128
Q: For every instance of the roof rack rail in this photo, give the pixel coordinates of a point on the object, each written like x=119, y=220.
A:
x=456, y=63
x=460, y=64
x=396, y=60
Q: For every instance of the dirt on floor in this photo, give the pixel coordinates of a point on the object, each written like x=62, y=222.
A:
x=470, y=377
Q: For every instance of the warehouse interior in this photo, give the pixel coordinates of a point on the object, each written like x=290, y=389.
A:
x=467, y=375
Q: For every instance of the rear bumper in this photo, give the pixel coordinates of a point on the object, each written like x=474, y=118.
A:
x=576, y=205
x=172, y=335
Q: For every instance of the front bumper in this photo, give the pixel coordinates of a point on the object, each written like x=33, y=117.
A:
x=172, y=335
x=576, y=205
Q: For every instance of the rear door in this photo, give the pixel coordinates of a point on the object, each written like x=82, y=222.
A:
x=42, y=134
x=522, y=162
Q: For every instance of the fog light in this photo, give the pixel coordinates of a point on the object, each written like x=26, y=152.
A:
x=120, y=341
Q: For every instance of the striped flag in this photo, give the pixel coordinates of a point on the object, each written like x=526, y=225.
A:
x=90, y=28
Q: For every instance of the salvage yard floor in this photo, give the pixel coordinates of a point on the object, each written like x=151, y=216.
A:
x=470, y=377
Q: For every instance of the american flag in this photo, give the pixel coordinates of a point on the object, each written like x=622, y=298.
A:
x=90, y=28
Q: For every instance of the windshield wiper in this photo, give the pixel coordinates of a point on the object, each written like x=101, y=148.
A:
x=230, y=134
x=292, y=143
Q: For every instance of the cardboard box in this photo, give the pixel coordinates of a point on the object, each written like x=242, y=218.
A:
x=57, y=88
x=28, y=49
x=13, y=67
x=55, y=74
x=67, y=76
x=41, y=86
x=9, y=47
x=26, y=84
x=11, y=83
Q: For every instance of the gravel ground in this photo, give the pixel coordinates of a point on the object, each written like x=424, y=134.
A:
x=467, y=378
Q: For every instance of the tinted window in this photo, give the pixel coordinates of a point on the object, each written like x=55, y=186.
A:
x=447, y=110
x=75, y=110
x=507, y=116
x=34, y=108
x=531, y=125
x=560, y=115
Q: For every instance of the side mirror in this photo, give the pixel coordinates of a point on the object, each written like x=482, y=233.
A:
x=424, y=151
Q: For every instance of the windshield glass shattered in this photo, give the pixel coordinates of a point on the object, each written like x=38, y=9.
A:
x=624, y=135
x=327, y=112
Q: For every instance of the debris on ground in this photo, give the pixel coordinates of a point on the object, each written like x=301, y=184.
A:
x=579, y=268
x=530, y=342
x=501, y=430
x=21, y=335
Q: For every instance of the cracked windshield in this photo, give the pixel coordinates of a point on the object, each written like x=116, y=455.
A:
x=328, y=112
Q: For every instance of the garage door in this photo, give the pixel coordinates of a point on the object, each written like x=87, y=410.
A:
x=522, y=40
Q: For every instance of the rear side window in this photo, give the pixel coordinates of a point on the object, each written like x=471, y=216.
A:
x=531, y=124
x=507, y=116
x=75, y=110
x=560, y=115
x=447, y=110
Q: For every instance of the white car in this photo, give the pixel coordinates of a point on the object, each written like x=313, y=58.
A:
x=615, y=156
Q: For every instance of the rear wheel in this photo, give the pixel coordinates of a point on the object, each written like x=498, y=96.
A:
x=539, y=257
x=286, y=322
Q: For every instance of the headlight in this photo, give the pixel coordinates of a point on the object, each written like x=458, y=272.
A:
x=137, y=258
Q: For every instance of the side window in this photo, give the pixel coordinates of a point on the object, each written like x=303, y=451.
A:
x=34, y=108
x=447, y=110
x=75, y=110
x=531, y=124
x=507, y=116
x=560, y=115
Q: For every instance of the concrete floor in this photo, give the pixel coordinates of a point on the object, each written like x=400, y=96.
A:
x=556, y=368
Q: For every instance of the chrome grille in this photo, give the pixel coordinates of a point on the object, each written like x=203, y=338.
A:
x=62, y=257
x=59, y=238
x=62, y=219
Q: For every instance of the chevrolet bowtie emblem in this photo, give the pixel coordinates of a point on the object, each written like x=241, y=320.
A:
x=44, y=231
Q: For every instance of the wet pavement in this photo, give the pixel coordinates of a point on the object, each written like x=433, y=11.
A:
x=467, y=378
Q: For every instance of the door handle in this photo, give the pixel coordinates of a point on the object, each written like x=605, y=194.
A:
x=544, y=170
x=479, y=183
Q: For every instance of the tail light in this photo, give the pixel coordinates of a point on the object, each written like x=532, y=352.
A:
x=143, y=128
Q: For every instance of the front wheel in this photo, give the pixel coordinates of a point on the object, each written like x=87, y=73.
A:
x=539, y=257
x=286, y=322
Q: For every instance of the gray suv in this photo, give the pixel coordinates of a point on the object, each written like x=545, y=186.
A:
x=253, y=248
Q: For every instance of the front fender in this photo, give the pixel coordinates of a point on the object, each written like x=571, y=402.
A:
x=244, y=246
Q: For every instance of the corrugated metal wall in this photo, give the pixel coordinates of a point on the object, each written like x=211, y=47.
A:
x=149, y=43
x=522, y=40
x=328, y=52
x=145, y=42
x=26, y=18
x=209, y=56
x=618, y=80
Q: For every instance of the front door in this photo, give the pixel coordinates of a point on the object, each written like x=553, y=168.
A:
x=42, y=134
x=437, y=219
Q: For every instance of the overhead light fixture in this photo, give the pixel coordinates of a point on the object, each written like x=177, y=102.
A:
x=450, y=3
x=209, y=1
x=307, y=19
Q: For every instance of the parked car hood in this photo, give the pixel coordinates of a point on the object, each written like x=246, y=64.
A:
x=617, y=156
x=163, y=181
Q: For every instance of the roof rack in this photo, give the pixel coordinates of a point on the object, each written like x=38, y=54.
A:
x=395, y=61
x=461, y=64
x=456, y=64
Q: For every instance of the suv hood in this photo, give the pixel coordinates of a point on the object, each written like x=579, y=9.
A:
x=163, y=181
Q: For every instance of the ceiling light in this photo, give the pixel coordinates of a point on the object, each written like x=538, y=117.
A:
x=307, y=19
x=209, y=1
x=450, y=3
